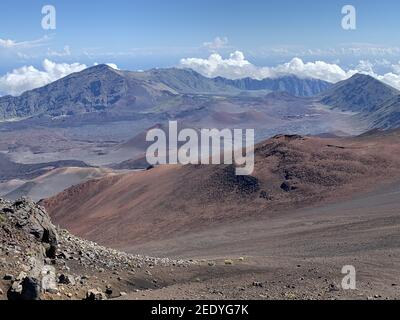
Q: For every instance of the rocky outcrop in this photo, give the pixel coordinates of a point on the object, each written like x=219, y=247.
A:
x=24, y=288
x=40, y=261
x=30, y=226
x=34, y=220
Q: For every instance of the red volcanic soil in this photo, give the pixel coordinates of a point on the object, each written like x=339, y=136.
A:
x=291, y=172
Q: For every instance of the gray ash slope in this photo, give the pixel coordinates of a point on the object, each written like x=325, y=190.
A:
x=387, y=116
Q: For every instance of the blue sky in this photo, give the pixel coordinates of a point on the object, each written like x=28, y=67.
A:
x=159, y=33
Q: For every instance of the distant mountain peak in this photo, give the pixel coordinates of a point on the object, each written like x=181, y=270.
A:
x=362, y=76
x=362, y=79
x=359, y=93
x=100, y=68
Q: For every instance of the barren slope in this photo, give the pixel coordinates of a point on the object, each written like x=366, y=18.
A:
x=290, y=172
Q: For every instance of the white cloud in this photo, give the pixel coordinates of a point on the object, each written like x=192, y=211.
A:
x=360, y=50
x=28, y=77
x=318, y=69
x=365, y=66
x=396, y=68
x=7, y=43
x=12, y=44
x=217, y=43
x=66, y=52
x=112, y=65
x=236, y=66
x=391, y=79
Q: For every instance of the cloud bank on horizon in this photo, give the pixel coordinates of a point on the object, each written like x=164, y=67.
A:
x=235, y=66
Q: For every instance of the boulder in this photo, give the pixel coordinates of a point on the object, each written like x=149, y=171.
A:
x=94, y=294
x=49, y=279
x=66, y=279
x=24, y=288
x=35, y=220
x=287, y=187
x=8, y=277
x=109, y=290
x=32, y=218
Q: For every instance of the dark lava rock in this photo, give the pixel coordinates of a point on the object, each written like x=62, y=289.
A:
x=8, y=277
x=27, y=289
x=287, y=187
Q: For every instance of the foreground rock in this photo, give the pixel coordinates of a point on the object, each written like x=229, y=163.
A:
x=93, y=295
x=38, y=261
x=24, y=288
x=34, y=220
